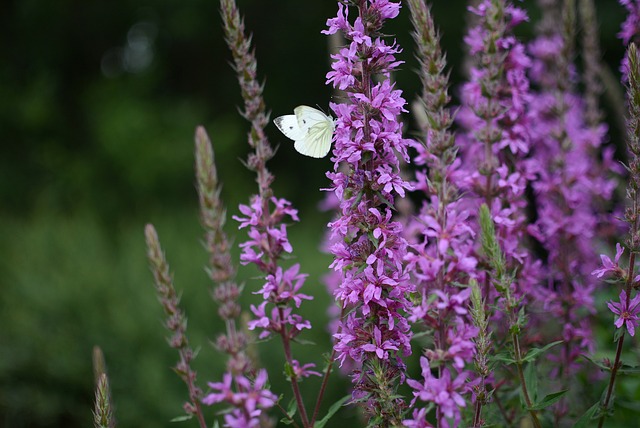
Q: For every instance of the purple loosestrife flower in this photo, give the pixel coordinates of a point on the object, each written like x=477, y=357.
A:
x=627, y=309
x=609, y=266
x=573, y=182
x=444, y=391
x=248, y=399
x=629, y=31
x=441, y=255
x=368, y=246
x=265, y=216
x=496, y=169
x=630, y=28
x=496, y=144
x=627, y=312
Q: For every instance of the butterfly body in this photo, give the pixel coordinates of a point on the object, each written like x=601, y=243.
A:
x=309, y=128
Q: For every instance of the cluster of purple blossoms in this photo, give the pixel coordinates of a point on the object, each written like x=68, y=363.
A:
x=369, y=248
x=248, y=399
x=631, y=26
x=571, y=182
x=440, y=258
x=495, y=167
x=443, y=391
x=267, y=241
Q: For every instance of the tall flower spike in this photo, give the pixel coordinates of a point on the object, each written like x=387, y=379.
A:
x=220, y=269
x=103, y=413
x=246, y=67
x=176, y=322
x=571, y=189
x=103, y=408
x=591, y=58
x=627, y=310
x=265, y=216
x=629, y=31
x=368, y=245
x=441, y=253
x=495, y=171
x=495, y=147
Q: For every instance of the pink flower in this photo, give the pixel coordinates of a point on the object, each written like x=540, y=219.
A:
x=303, y=371
x=609, y=266
x=443, y=391
x=627, y=312
x=248, y=399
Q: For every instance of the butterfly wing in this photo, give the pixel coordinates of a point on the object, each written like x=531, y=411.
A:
x=309, y=128
x=288, y=125
x=317, y=141
x=319, y=132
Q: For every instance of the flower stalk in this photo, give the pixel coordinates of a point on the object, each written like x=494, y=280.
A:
x=628, y=308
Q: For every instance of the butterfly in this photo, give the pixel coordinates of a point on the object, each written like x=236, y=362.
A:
x=309, y=128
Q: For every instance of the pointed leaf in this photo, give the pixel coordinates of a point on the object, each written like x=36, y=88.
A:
x=597, y=363
x=531, y=378
x=629, y=369
x=587, y=417
x=503, y=357
x=549, y=400
x=533, y=353
x=332, y=411
x=181, y=418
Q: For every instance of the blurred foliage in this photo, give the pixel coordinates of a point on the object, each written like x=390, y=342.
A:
x=98, y=105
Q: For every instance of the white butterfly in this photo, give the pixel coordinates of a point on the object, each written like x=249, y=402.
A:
x=309, y=128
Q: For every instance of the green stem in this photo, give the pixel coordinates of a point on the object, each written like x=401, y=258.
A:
x=523, y=383
x=284, y=333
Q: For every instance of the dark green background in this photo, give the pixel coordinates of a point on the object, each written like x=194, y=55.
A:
x=91, y=150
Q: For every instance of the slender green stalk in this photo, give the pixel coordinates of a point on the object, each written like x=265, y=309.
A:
x=502, y=282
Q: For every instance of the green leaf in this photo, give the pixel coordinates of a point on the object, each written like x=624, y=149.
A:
x=597, y=363
x=181, y=418
x=292, y=408
x=549, y=400
x=533, y=353
x=422, y=334
x=617, y=335
x=332, y=411
x=587, y=417
x=504, y=357
x=628, y=369
x=303, y=341
x=531, y=379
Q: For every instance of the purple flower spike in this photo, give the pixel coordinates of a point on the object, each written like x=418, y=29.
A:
x=367, y=244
